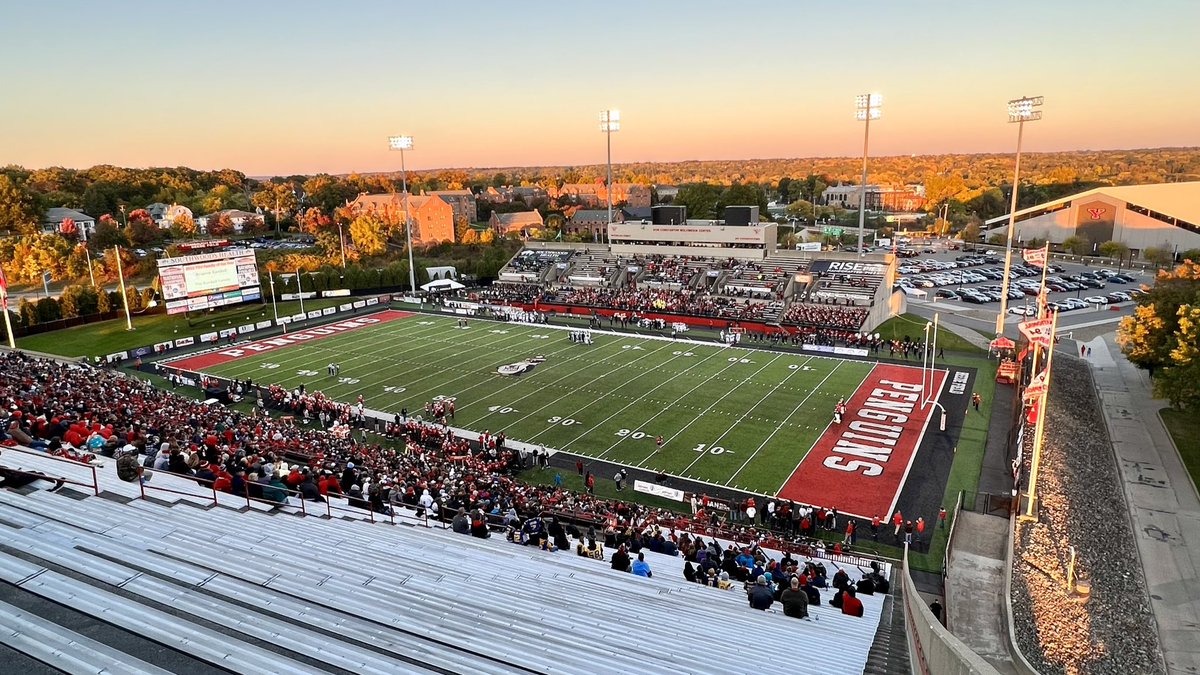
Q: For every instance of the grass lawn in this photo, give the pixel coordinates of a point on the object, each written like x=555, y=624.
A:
x=1185, y=431
x=913, y=326
x=107, y=337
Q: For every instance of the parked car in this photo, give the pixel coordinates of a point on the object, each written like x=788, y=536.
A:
x=1021, y=310
x=945, y=293
x=1096, y=300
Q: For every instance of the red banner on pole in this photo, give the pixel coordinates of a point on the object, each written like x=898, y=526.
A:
x=1038, y=331
x=1035, y=256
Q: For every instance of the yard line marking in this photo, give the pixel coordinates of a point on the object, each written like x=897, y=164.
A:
x=490, y=351
x=820, y=435
x=569, y=375
x=634, y=401
x=739, y=420
x=301, y=356
x=673, y=403
x=784, y=422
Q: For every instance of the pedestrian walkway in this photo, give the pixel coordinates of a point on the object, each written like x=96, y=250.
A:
x=975, y=587
x=1163, y=503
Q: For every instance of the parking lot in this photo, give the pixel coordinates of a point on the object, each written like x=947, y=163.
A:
x=963, y=281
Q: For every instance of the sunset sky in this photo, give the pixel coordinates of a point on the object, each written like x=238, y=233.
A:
x=277, y=87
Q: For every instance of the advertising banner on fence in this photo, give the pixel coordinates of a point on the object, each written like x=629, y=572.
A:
x=161, y=347
x=209, y=337
x=226, y=332
x=298, y=317
x=346, y=307
x=296, y=296
x=328, y=310
x=262, y=324
x=339, y=293
x=315, y=314
x=185, y=342
x=248, y=328
x=359, y=304
x=372, y=301
x=840, y=351
x=658, y=490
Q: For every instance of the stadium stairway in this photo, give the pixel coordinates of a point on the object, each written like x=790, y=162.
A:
x=116, y=583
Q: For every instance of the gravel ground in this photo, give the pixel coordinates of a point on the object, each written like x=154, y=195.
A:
x=1082, y=505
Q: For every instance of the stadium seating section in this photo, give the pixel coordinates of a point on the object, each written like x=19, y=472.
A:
x=767, y=291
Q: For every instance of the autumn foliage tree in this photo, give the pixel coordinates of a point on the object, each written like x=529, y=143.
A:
x=1163, y=335
x=141, y=229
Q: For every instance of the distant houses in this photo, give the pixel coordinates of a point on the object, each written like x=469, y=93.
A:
x=237, y=218
x=53, y=219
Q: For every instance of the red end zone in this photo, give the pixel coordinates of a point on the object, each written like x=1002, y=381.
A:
x=860, y=465
x=219, y=356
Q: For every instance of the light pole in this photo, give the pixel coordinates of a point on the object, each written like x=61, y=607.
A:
x=610, y=121
x=1020, y=110
x=88, y=253
x=274, y=305
x=121, y=277
x=868, y=107
x=403, y=143
x=342, y=241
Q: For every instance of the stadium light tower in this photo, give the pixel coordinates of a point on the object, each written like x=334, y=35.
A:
x=610, y=121
x=867, y=107
x=403, y=143
x=1020, y=110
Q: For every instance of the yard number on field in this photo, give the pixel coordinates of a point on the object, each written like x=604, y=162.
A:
x=306, y=373
x=390, y=389
x=714, y=450
x=502, y=410
x=566, y=422
x=635, y=435
x=347, y=380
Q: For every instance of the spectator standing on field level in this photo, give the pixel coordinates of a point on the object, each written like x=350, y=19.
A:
x=619, y=479
x=976, y=400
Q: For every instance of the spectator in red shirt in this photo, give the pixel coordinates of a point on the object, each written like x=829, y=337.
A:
x=850, y=604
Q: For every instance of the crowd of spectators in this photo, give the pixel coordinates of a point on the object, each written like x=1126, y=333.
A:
x=825, y=316
x=82, y=411
x=682, y=301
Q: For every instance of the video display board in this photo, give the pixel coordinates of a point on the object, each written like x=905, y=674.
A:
x=206, y=280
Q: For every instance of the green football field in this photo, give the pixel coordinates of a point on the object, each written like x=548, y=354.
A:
x=729, y=416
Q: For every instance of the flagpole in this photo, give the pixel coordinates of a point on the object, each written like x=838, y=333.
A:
x=1040, y=429
x=1041, y=309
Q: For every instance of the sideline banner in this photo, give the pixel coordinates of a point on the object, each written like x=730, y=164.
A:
x=658, y=490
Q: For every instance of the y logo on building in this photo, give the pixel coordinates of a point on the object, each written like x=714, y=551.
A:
x=1096, y=213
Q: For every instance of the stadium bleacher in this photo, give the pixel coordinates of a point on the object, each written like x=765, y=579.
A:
x=727, y=288
x=223, y=587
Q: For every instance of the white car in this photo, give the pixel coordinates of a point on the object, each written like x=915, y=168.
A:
x=1096, y=300
x=1023, y=311
x=1075, y=303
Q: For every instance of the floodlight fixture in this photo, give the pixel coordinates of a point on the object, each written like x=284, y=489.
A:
x=403, y=143
x=1020, y=110
x=1023, y=109
x=867, y=107
x=610, y=120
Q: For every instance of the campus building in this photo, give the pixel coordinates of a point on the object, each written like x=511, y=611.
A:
x=1162, y=215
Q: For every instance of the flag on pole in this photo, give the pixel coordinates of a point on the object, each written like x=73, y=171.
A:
x=1035, y=388
x=1038, y=331
x=1035, y=256
x=3, y=289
